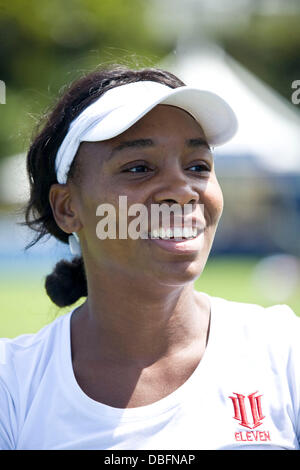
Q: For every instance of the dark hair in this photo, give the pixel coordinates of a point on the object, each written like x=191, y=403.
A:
x=67, y=283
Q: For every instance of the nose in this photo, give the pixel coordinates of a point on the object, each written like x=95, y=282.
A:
x=176, y=188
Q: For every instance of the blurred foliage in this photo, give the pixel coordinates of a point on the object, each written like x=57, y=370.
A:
x=45, y=45
x=269, y=46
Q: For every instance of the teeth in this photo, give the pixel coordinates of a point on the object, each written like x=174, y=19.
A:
x=187, y=232
x=162, y=233
x=177, y=232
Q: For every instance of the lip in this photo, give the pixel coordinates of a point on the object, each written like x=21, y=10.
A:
x=181, y=246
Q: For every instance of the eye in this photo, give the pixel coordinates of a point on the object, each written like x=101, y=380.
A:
x=137, y=169
x=198, y=168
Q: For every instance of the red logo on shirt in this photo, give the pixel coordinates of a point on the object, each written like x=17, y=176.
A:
x=240, y=412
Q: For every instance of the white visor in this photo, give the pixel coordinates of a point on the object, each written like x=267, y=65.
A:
x=121, y=107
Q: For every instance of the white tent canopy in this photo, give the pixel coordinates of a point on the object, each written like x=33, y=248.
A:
x=269, y=126
x=14, y=184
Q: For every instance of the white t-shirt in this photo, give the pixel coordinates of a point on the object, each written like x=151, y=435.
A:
x=244, y=394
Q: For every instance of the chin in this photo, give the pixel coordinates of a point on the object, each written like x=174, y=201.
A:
x=180, y=273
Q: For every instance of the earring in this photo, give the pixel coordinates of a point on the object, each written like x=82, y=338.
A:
x=74, y=244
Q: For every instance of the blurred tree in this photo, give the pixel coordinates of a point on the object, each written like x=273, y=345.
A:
x=45, y=45
x=263, y=35
x=269, y=46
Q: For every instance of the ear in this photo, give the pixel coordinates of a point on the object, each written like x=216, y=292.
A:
x=64, y=208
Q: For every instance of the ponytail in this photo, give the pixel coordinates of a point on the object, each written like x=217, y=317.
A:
x=67, y=283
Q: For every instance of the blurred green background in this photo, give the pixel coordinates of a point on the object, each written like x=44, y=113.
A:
x=45, y=45
x=25, y=307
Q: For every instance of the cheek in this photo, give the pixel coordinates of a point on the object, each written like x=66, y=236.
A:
x=213, y=202
x=93, y=195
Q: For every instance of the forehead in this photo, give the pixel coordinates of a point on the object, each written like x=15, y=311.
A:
x=163, y=119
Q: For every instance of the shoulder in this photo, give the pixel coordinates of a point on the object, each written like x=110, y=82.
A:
x=30, y=346
x=23, y=358
x=277, y=324
x=23, y=363
x=244, y=309
x=251, y=312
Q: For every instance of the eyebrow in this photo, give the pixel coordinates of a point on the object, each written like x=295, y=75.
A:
x=133, y=143
x=141, y=143
x=199, y=142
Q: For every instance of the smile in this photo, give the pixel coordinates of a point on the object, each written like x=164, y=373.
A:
x=177, y=240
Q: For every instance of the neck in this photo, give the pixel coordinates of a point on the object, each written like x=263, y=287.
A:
x=127, y=319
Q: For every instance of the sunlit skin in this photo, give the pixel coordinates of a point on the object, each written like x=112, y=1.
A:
x=143, y=328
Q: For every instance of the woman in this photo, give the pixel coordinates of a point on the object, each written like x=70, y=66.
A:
x=146, y=362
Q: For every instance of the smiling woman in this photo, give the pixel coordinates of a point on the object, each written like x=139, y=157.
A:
x=146, y=362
